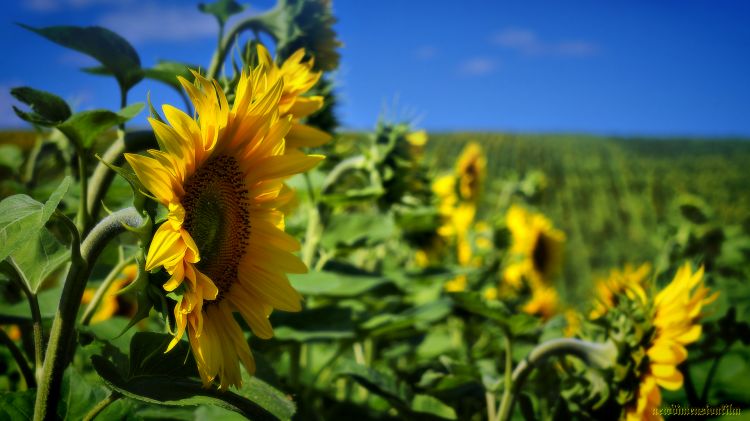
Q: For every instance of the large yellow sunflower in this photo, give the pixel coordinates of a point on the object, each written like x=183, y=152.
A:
x=223, y=243
x=299, y=78
x=676, y=315
x=629, y=281
x=536, y=249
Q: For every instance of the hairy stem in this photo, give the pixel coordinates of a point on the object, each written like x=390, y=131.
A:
x=83, y=256
x=83, y=218
x=17, y=275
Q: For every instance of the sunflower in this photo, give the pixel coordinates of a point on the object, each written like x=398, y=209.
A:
x=470, y=170
x=457, y=217
x=676, y=312
x=457, y=284
x=299, y=77
x=628, y=281
x=221, y=177
x=536, y=247
x=544, y=302
x=111, y=303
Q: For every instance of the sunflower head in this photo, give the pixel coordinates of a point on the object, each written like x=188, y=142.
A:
x=537, y=247
x=629, y=282
x=309, y=25
x=470, y=170
x=221, y=178
x=544, y=302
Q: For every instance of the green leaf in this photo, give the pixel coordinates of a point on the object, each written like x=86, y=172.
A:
x=427, y=404
x=475, y=303
x=169, y=379
x=335, y=284
x=83, y=128
x=357, y=229
x=325, y=323
x=39, y=257
x=418, y=317
x=20, y=311
x=17, y=405
x=21, y=216
x=221, y=9
x=79, y=396
x=46, y=109
x=110, y=49
x=378, y=382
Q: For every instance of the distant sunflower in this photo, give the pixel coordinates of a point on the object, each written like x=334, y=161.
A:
x=536, y=249
x=457, y=217
x=470, y=170
x=299, y=77
x=223, y=242
x=629, y=281
x=544, y=302
x=111, y=303
x=676, y=313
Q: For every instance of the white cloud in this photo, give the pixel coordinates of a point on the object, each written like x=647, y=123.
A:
x=477, y=66
x=167, y=23
x=426, y=52
x=529, y=43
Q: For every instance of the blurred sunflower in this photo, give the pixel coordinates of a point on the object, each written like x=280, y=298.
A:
x=417, y=142
x=223, y=243
x=457, y=284
x=299, y=77
x=536, y=250
x=544, y=302
x=111, y=303
x=306, y=24
x=572, y=322
x=628, y=281
x=470, y=170
x=676, y=313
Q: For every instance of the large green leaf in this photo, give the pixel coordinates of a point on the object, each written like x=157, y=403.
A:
x=21, y=217
x=357, y=230
x=15, y=406
x=418, y=317
x=163, y=378
x=39, y=257
x=164, y=71
x=46, y=109
x=335, y=284
x=110, y=49
x=83, y=128
x=326, y=323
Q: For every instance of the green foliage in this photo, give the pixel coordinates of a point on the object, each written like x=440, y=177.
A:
x=47, y=109
x=85, y=127
x=221, y=9
x=110, y=49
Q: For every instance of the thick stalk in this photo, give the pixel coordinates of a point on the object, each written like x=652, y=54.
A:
x=102, y=177
x=23, y=365
x=599, y=355
x=102, y=290
x=83, y=256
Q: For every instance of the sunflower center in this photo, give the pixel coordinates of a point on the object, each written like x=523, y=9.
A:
x=540, y=256
x=216, y=217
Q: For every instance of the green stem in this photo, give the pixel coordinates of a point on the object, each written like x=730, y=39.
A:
x=254, y=23
x=23, y=365
x=36, y=315
x=712, y=373
x=599, y=355
x=83, y=218
x=102, y=290
x=103, y=176
x=101, y=406
x=59, y=347
x=505, y=401
x=312, y=236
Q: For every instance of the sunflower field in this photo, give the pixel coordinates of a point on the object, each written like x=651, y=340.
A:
x=242, y=257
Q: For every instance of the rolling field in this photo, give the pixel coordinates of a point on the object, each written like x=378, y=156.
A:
x=615, y=199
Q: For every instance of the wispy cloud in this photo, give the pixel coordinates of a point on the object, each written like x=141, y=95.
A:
x=426, y=52
x=167, y=23
x=477, y=66
x=529, y=43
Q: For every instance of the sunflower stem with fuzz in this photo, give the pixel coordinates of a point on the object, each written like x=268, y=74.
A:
x=83, y=218
x=102, y=290
x=596, y=354
x=23, y=365
x=83, y=256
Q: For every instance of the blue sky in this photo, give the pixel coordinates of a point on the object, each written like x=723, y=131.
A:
x=617, y=67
